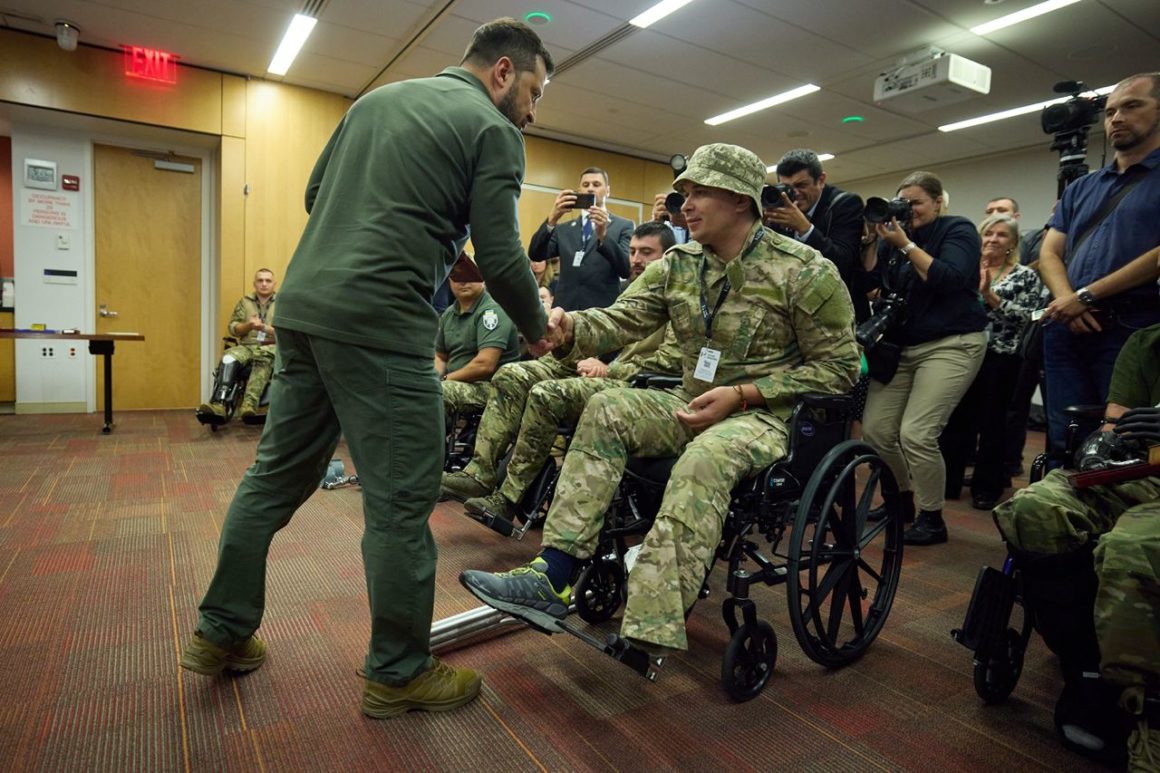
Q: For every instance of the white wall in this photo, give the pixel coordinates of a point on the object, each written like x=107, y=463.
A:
x=60, y=382
x=1029, y=175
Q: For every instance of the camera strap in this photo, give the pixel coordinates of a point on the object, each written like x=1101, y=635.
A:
x=1133, y=176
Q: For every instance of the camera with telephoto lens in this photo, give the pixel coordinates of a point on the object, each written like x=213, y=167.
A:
x=771, y=195
x=889, y=311
x=879, y=210
x=673, y=203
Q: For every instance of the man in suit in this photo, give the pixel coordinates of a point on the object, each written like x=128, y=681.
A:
x=823, y=216
x=593, y=248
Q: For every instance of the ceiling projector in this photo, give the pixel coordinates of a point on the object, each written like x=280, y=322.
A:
x=931, y=80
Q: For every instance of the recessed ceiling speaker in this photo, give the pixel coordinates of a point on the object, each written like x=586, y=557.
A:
x=67, y=35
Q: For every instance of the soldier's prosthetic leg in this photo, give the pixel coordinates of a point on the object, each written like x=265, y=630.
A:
x=224, y=397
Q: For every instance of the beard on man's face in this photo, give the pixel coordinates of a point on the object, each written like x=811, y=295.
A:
x=507, y=105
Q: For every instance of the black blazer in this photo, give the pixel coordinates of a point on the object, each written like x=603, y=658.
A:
x=596, y=281
x=837, y=235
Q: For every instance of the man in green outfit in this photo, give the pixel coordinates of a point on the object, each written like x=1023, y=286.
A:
x=475, y=338
x=410, y=169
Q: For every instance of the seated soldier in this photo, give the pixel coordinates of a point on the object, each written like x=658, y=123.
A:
x=761, y=319
x=1098, y=548
x=475, y=338
x=511, y=408
x=252, y=323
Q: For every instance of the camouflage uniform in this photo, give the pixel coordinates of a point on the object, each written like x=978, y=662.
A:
x=506, y=409
x=786, y=326
x=253, y=349
x=1052, y=518
x=559, y=403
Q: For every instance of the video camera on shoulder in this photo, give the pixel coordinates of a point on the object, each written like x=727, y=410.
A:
x=879, y=210
x=584, y=201
x=771, y=195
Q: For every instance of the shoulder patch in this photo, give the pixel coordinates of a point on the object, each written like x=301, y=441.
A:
x=490, y=319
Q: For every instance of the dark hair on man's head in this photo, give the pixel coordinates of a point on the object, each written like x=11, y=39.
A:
x=596, y=170
x=798, y=159
x=268, y=271
x=659, y=230
x=511, y=38
x=1153, y=92
x=1014, y=203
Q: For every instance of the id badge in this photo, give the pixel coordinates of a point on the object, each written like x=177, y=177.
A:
x=261, y=336
x=707, y=364
x=578, y=258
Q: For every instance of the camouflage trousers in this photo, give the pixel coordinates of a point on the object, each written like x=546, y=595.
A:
x=261, y=362
x=551, y=405
x=510, y=387
x=679, y=548
x=1052, y=517
x=462, y=396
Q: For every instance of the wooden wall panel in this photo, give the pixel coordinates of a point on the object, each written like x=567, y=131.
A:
x=233, y=106
x=35, y=71
x=231, y=244
x=7, y=360
x=286, y=129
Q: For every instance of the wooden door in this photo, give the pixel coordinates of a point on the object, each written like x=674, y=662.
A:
x=148, y=271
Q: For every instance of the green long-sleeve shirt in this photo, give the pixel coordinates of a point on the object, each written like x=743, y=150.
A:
x=412, y=170
x=786, y=325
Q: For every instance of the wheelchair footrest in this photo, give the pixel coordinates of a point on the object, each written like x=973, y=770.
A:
x=620, y=649
x=989, y=611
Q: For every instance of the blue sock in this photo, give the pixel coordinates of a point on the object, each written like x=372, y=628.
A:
x=560, y=567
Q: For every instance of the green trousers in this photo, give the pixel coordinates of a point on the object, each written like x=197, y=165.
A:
x=389, y=406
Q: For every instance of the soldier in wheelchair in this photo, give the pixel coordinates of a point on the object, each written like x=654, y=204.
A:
x=534, y=402
x=761, y=320
x=245, y=369
x=1085, y=557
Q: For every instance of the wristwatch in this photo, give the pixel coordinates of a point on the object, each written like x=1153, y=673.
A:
x=1085, y=297
x=906, y=248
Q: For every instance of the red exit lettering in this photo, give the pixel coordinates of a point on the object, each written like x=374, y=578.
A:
x=150, y=64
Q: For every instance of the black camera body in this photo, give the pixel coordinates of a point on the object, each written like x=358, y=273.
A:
x=879, y=210
x=584, y=201
x=889, y=310
x=673, y=203
x=771, y=195
x=1069, y=122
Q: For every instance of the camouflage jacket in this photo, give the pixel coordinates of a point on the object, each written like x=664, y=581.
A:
x=248, y=307
x=658, y=353
x=786, y=325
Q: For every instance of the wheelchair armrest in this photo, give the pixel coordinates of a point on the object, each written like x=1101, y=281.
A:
x=1092, y=412
x=654, y=381
x=842, y=404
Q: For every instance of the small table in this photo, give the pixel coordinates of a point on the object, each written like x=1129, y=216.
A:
x=99, y=343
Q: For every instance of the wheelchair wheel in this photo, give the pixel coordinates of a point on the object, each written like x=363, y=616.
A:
x=749, y=660
x=843, y=569
x=599, y=591
x=996, y=675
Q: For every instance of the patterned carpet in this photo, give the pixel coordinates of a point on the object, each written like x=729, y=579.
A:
x=107, y=542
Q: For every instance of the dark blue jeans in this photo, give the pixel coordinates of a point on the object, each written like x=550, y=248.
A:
x=1079, y=366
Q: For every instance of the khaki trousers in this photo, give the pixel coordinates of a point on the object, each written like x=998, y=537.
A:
x=903, y=419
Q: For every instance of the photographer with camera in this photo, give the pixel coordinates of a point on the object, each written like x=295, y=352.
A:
x=804, y=207
x=592, y=248
x=1094, y=257
x=925, y=342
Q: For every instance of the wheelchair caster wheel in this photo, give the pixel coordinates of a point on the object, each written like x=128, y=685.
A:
x=996, y=676
x=599, y=591
x=749, y=661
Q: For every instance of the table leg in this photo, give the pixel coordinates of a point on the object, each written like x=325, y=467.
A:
x=106, y=348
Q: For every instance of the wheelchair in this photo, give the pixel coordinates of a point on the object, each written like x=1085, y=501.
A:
x=533, y=506
x=229, y=384
x=997, y=626
x=841, y=571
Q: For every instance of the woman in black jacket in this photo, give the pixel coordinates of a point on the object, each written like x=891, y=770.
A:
x=932, y=265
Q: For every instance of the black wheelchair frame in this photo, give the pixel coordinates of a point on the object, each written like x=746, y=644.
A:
x=230, y=395
x=841, y=571
x=997, y=627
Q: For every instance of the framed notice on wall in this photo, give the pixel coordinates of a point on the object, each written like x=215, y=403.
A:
x=40, y=174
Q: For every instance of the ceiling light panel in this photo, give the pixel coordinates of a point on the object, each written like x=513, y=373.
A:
x=768, y=102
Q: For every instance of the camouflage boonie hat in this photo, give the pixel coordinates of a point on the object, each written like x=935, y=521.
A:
x=731, y=167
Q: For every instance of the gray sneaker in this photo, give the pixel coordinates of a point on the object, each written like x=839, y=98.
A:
x=462, y=486
x=524, y=593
